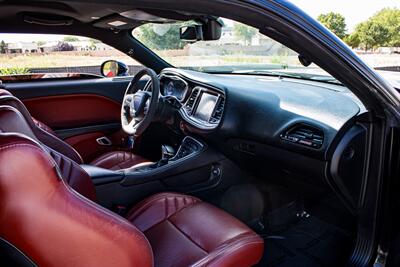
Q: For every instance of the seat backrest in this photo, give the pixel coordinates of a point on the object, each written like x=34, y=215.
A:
x=42, y=133
x=13, y=121
x=46, y=221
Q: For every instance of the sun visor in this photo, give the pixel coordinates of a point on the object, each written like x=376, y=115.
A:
x=143, y=16
x=116, y=22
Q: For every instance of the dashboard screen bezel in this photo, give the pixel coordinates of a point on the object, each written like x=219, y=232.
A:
x=202, y=97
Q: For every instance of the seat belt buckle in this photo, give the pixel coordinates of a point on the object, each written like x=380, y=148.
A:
x=131, y=142
x=120, y=209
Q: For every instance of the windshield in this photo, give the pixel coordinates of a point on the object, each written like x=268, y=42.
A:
x=240, y=49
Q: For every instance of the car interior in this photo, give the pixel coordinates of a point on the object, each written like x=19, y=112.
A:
x=172, y=166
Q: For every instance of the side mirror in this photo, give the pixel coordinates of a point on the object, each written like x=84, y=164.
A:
x=202, y=31
x=113, y=68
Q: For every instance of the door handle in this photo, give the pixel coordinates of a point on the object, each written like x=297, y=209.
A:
x=104, y=141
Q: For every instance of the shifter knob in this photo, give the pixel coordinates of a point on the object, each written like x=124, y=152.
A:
x=167, y=152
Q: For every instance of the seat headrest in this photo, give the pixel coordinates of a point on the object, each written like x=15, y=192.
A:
x=4, y=92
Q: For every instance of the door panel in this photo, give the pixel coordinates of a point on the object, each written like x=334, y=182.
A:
x=89, y=148
x=80, y=111
x=72, y=111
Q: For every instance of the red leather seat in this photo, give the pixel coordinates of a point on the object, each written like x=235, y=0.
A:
x=112, y=160
x=185, y=231
x=46, y=215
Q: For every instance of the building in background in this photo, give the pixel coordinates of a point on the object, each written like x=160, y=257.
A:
x=21, y=47
x=54, y=46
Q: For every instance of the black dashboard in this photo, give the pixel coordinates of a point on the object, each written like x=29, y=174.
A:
x=297, y=115
x=301, y=128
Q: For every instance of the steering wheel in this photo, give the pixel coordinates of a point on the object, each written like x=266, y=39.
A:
x=139, y=105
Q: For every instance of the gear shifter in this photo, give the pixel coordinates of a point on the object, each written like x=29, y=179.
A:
x=167, y=153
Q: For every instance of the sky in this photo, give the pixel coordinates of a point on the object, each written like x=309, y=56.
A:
x=355, y=11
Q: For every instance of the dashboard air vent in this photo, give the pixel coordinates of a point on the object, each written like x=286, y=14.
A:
x=304, y=135
x=192, y=99
x=217, y=116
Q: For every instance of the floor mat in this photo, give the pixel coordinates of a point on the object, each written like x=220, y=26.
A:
x=306, y=242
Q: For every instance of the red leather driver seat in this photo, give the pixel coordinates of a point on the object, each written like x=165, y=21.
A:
x=111, y=160
x=46, y=214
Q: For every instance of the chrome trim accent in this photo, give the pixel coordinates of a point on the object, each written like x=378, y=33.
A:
x=175, y=77
x=104, y=141
x=190, y=118
x=201, y=145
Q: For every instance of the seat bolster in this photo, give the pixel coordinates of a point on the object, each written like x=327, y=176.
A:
x=74, y=175
x=4, y=92
x=117, y=160
x=43, y=126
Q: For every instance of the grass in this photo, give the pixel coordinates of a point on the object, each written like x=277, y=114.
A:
x=60, y=59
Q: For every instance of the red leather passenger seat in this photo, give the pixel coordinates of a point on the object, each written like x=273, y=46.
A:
x=185, y=231
x=46, y=214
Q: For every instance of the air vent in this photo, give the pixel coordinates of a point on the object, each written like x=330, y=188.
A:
x=217, y=116
x=192, y=99
x=304, y=135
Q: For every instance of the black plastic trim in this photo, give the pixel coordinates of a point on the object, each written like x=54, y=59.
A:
x=17, y=257
x=65, y=133
x=102, y=176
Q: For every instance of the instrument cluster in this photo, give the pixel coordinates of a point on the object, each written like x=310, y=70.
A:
x=173, y=86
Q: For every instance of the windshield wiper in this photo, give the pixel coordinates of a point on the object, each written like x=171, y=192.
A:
x=296, y=75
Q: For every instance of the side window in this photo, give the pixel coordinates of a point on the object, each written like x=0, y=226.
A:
x=44, y=53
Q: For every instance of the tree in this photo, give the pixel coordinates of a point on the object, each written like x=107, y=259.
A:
x=160, y=36
x=3, y=47
x=14, y=70
x=390, y=19
x=372, y=34
x=334, y=22
x=353, y=40
x=244, y=32
x=94, y=41
x=40, y=43
x=64, y=46
x=70, y=39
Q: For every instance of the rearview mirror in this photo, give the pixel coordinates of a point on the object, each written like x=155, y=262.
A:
x=112, y=68
x=191, y=33
x=202, y=31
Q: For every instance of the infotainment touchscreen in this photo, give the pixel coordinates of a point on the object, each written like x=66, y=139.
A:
x=206, y=106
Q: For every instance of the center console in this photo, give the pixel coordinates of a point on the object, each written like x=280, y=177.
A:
x=189, y=147
x=193, y=168
x=191, y=155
